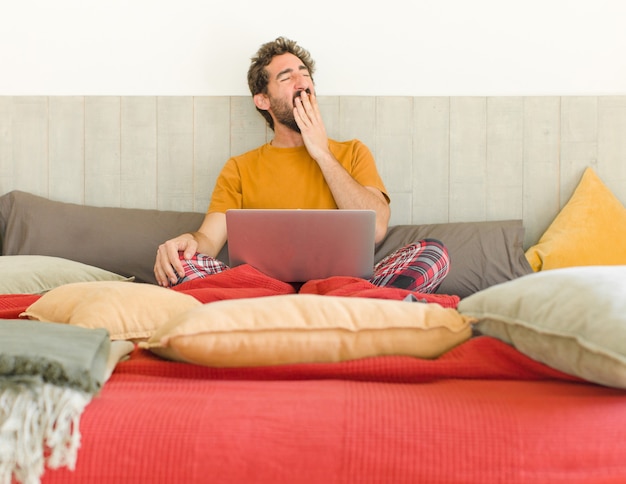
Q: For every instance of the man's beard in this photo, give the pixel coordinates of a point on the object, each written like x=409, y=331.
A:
x=284, y=113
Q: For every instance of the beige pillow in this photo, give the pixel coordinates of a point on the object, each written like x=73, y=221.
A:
x=36, y=274
x=297, y=328
x=120, y=351
x=128, y=310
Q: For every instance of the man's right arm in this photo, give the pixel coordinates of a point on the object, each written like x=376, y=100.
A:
x=208, y=239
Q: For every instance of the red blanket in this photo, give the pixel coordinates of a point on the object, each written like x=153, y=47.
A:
x=245, y=281
x=480, y=413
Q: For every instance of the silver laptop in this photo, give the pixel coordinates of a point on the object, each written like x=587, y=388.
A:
x=294, y=245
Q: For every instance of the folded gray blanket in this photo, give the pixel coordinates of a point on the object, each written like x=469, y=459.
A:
x=48, y=374
x=59, y=353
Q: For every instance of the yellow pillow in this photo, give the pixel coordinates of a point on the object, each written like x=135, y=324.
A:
x=128, y=310
x=298, y=328
x=589, y=230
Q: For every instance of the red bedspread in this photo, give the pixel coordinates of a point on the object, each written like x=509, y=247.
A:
x=482, y=412
x=11, y=305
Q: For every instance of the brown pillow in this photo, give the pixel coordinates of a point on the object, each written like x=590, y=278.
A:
x=119, y=240
x=481, y=253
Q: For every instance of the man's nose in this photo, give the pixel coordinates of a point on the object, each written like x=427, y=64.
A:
x=302, y=83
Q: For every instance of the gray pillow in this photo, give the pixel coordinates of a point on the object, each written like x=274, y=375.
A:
x=119, y=240
x=482, y=254
x=125, y=240
x=572, y=319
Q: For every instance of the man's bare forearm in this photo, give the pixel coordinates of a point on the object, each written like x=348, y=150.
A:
x=350, y=194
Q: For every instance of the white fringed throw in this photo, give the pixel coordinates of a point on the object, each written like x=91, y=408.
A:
x=39, y=425
x=48, y=375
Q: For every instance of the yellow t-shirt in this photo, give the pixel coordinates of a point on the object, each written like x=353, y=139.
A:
x=270, y=177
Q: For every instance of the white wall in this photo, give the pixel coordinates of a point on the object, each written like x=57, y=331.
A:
x=362, y=47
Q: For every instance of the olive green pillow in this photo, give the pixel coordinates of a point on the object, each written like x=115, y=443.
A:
x=36, y=274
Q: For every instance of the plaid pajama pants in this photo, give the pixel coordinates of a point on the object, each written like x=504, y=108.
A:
x=420, y=267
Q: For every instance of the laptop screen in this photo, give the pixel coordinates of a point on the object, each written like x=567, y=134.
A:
x=295, y=245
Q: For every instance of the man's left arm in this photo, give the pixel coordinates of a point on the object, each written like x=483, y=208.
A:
x=348, y=193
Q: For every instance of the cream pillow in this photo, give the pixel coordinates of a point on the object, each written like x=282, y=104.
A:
x=128, y=310
x=589, y=230
x=36, y=274
x=120, y=351
x=572, y=319
x=297, y=328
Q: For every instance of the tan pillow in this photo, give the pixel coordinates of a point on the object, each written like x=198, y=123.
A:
x=297, y=328
x=128, y=310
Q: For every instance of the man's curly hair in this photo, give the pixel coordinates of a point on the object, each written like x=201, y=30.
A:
x=257, y=74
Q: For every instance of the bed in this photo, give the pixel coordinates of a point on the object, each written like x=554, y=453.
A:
x=507, y=374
